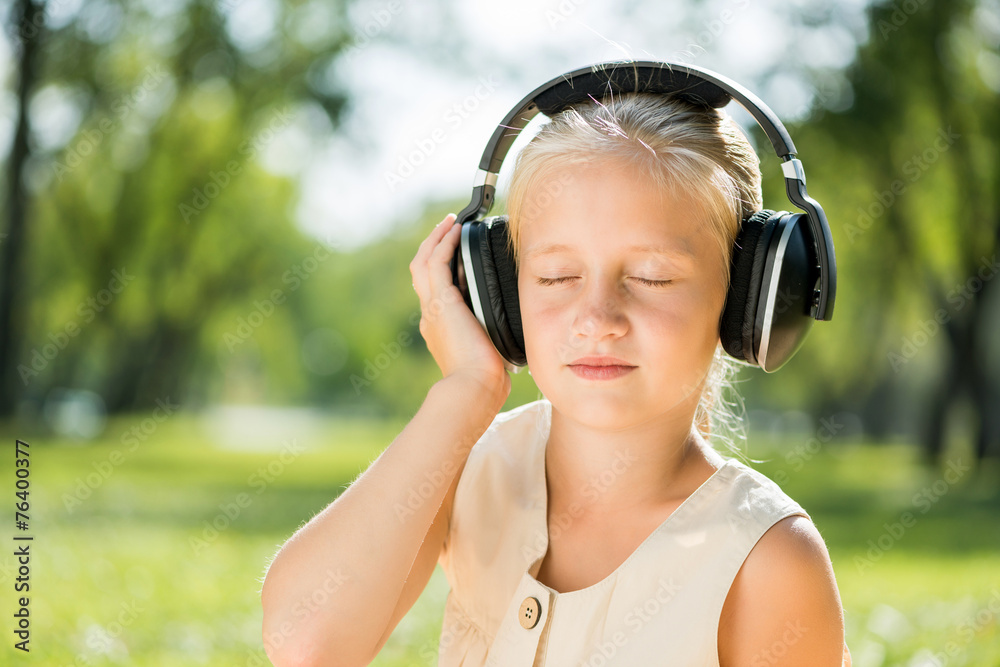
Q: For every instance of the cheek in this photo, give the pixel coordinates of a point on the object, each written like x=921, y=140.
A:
x=683, y=328
x=539, y=317
x=545, y=326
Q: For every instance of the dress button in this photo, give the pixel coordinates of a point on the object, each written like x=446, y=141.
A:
x=530, y=612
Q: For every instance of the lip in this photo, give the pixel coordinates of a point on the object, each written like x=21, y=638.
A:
x=603, y=360
x=600, y=372
x=601, y=368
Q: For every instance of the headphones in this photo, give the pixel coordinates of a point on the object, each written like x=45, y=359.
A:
x=783, y=270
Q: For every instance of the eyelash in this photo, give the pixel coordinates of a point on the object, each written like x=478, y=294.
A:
x=645, y=281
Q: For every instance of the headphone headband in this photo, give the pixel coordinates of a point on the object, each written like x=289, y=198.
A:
x=694, y=84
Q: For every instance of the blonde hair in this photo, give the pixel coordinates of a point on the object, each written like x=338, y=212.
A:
x=685, y=148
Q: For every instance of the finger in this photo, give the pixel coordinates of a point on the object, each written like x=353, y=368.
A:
x=418, y=267
x=449, y=241
x=436, y=234
x=430, y=243
x=439, y=265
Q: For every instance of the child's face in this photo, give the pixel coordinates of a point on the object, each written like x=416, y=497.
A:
x=669, y=332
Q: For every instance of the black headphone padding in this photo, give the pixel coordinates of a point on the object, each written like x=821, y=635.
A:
x=501, y=285
x=743, y=285
x=616, y=79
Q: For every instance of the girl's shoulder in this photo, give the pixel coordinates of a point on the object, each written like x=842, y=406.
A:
x=510, y=451
x=758, y=485
x=789, y=558
x=540, y=409
x=520, y=429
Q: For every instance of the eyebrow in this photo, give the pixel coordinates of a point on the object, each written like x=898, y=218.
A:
x=682, y=249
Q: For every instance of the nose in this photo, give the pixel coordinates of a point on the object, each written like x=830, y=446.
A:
x=600, y=312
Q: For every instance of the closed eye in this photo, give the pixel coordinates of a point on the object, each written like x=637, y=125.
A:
x=653, y=283
x=550, y=281
x=644, y=281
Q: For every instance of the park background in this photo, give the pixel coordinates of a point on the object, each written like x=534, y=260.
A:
x=207, y=329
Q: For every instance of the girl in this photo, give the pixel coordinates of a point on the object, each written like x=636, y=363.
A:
x=597, y=525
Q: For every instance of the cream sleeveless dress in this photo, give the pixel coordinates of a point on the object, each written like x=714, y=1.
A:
x=660, y=607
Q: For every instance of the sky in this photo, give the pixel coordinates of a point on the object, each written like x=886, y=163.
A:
x=429, y=82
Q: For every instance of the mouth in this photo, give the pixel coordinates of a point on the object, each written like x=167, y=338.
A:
x=597, y=370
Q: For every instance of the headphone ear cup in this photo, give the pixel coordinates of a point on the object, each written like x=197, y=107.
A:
x=788, y=285
x=461, y=259
x=500, y=276
x=510, y=303
x=736, y=326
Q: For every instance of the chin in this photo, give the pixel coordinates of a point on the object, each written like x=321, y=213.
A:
x=597, y=407
x=606, y=414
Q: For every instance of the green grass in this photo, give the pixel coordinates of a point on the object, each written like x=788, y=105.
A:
x=134, y=574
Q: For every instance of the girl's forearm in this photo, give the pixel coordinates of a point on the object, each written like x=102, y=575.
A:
x=355, y=555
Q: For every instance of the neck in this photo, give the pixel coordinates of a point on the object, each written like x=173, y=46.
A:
x=604, y=473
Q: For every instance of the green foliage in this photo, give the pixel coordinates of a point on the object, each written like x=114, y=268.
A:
x=908, y=177
x=163, y=182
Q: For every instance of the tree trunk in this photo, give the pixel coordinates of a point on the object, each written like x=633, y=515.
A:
x=966, y=378
x=28, y=19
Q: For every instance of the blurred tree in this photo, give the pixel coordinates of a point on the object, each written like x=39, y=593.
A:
x=912, y=167
x=24, y=16
x=156, y=215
